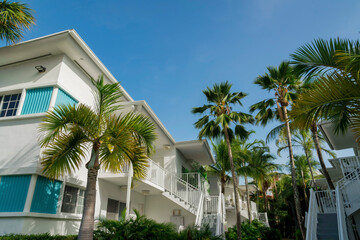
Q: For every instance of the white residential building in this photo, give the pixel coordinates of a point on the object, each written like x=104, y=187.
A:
x=335, y=214
x=36, y=76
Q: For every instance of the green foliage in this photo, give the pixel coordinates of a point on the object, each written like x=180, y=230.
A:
x=15, y=17
x=253, y=231
x=194, y=233
x=45, y=236
x=134, y=229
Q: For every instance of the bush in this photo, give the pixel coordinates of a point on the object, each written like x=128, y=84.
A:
x=194, y=233
x=45, y=236
x=254, y=231
x=134, y=229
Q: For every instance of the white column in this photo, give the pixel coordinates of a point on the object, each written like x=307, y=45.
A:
x=128, y=191
x=53, y=98
x=21, y=102
x=30, y=193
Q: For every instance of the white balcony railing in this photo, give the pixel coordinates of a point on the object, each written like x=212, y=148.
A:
x=311, y=222
x=348, y=165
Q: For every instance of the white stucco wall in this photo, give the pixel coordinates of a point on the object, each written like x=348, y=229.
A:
x=160, y=209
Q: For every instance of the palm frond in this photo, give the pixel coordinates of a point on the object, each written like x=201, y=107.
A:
x=15, y=17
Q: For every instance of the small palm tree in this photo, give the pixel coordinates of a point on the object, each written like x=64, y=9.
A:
x=14, y=18
x=222, y=164
x=262, y=169
x=301, y=163
x=303, y=139
x=217, y=122
x=282, y=81
x=70, y=132
x=243, y=151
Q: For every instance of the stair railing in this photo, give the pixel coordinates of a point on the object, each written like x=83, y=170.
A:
x=200, y=211
x=341, y=217
x=311, y=226
x=326, y=201
x=349, y=164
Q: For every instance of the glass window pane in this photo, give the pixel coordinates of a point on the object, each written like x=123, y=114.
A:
x=9, y=113
x=12, y=105
x=14, y=97
x=69, y=199
x=7, y=98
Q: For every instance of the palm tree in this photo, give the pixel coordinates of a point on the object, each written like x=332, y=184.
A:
x=15, y=17
x=217, y=122
x=70, y=132
x=242, y=151
x=285, y=84
x=222, y=164
x=303, y=139
x=302, y=167
x=334, y=63
x=262, y=169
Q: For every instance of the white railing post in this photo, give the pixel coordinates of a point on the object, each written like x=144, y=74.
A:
x=341, y=218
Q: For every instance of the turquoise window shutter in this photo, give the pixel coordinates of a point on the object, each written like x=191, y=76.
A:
x=46, y=196
x=13, y=192
x=37, y=100
x=63, y=98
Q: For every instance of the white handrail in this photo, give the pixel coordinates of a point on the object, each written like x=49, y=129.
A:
x=311, y=226
x=200, y=211
x=326, y=201
x=218, y=216
x=341, y=218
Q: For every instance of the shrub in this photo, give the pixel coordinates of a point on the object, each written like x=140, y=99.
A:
x=195, y=233
x=134, y=229
x=254, y=231
x=45, y=236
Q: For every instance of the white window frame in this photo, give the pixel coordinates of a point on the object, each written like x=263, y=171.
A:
x=2, y=95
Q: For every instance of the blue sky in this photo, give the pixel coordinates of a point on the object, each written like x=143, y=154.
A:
x=167, y=52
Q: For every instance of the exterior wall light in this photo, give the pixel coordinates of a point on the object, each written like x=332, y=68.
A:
x=40, y=68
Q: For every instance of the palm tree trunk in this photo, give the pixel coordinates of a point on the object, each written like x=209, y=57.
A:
x=236, y=185
x=248, y=198
x=304, y=187
x=86, y=231
x=222, y=180
x=265, y=203
x=293, y=175
x=87, y=222
x=321, y=160
x=310, y=167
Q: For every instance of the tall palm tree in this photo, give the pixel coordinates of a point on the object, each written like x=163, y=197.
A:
x=303, y=139
x=335, y=64
x=222, y=164
x=217, y=121
x=282, y=81
x=15, y=17
x=69, y=133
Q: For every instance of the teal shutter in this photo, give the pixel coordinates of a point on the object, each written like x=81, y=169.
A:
x=46, y=196
x=13, y=192
x=63, y=98
x=37, y=100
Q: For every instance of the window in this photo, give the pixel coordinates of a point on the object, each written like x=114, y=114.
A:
x=73, y=200
x=9, y=104
x=114, y=209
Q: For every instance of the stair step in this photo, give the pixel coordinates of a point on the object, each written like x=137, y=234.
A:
x=327, y=228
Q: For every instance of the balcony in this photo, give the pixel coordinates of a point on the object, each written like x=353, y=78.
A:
x=347, y=165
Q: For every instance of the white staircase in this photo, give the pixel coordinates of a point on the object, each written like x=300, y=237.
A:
x=335, y=206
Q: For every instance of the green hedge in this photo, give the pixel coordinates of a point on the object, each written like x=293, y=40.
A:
x=45, y=236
